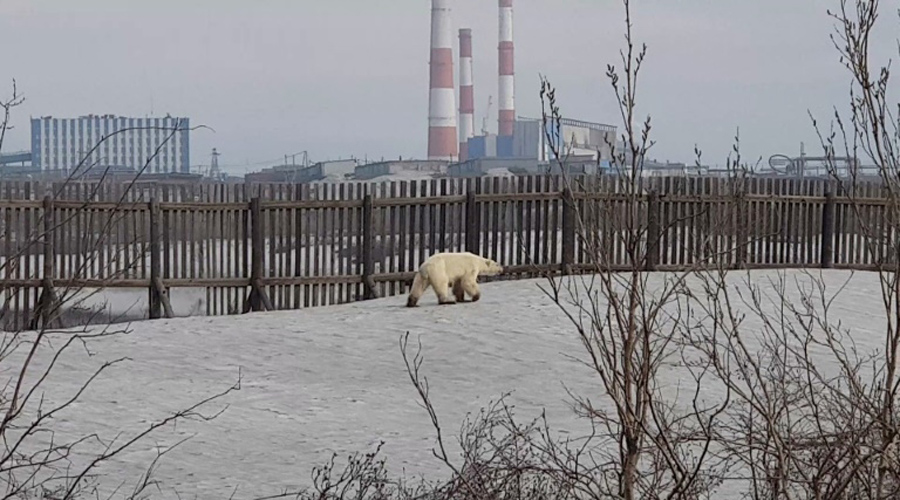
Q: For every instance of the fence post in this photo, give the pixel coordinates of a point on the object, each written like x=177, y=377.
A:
x=367, y=257
x=742, y=229
x=827, y=257
x=48, y=237
x=48, y=303
x=256, y=242
x=155, y=255
x=653, y=232
x=568, y=227
x=471, y=222
x=258, y=300
x=159, y=298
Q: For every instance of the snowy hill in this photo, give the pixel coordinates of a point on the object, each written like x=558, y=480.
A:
x=332, y=379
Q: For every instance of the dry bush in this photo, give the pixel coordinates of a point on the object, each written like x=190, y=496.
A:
x=37, y=458
x=781, y=403
x=648, y=444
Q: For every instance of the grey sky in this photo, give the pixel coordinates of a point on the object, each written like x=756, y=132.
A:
x=350, y=77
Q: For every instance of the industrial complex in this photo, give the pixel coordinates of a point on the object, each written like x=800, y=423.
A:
x=518, y=142
x=517, y=145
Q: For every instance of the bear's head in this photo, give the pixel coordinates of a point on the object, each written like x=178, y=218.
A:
x=491, y=268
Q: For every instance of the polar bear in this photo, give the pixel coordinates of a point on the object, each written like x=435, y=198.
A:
x=459, y=270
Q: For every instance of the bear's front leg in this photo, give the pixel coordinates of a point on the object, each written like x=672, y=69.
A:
x=470, y=286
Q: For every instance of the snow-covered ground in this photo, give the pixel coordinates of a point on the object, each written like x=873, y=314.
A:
x=332, y=379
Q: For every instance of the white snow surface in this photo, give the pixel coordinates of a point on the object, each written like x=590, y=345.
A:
x=332, y=379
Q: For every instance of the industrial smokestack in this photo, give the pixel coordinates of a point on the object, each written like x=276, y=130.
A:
x=466, y=94
x=441, y=101
x=506, y=94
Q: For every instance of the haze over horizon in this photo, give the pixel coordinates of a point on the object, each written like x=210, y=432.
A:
x=350, y=77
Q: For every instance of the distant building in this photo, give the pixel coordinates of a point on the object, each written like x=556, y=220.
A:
x=390, y=168
x=574, y=165
x=581, y=138
x=529, y=140
x=485, y=146
x=332, y=170
x=478, y=167
x=61, y=144
x=19, y=157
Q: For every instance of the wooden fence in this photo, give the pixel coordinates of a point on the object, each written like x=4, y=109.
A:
x=280, y=246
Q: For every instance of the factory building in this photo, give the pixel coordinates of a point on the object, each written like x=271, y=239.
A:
x=581, y=138
x=529, y=140
x=401, y=168
x=332, y=170
x=61, y=144
x=494, y=166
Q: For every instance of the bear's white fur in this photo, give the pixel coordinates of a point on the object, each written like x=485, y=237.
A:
x=456, y=270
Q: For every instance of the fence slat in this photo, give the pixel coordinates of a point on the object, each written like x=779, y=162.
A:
x=827, y=256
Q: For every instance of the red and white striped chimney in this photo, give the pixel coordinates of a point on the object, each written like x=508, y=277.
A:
x=466, y=94
x=506, y=93
x=442, y=143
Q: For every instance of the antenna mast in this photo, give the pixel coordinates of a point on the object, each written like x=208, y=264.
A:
x=214, y=165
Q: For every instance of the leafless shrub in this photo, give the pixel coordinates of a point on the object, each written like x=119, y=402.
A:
x=7, y=106
x=501, y=457
x=801, y=411
x=812, y=413
x=795, y=427
x=651, y=447
x=851, y=450
x=38, y=459
x=364, y=477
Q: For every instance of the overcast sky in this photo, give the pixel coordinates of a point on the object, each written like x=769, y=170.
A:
x=350, y=77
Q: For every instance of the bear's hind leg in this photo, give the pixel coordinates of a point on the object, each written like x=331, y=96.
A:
x=420, y=284
x=441, y=288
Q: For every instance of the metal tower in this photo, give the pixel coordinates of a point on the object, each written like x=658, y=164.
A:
x=214, y=165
